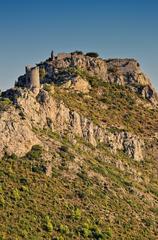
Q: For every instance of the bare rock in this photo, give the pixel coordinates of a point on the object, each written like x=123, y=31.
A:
x=80, y=85
x=16, y=135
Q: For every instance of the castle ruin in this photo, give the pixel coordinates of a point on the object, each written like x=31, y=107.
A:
x=32, y=77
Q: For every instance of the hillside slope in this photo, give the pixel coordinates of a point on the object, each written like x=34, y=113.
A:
x=79, y=151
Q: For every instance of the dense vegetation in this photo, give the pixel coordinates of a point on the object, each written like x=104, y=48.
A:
x=97, y=200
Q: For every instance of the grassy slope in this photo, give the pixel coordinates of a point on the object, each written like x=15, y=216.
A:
x=92, y=198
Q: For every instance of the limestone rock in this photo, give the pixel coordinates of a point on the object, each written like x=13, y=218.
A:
x=94, y=66
x=44, y=111
x=17, y=136
x=119, y=71
x=81, y=85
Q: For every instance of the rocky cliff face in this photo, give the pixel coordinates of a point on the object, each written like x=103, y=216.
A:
x=39, y=108
x=43, y=111
x=64, y=67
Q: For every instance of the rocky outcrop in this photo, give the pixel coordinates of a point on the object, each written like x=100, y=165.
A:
x=93, y=66
x=40, y=109
x=128, y=72
x=16, y=134
x=66, y=67
x=120, y=71
x=44, y=111
x=81, y=85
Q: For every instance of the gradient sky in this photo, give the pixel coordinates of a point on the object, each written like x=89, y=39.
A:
x=30, y=29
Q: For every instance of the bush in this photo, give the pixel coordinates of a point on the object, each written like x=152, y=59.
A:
x=35, y=153
x=39, y=169
x=13, y=156
x=77, y=52
x=48, y=87
x=58, y=238
x=76, y=214
x=16, y=195
x=64, y=229
x=92, y=54
x=91, y=231
x=48, y=225
x=5, y=103
x=23, y=181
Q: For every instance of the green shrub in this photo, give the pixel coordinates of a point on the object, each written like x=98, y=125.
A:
x=47, y=87
x=76, y=214
x=58, y=238
x=39, y=168
x=85, y=232
x=35, y=153
x=108, y=233
x=13, y=156
x=92, y=54
x=64, y=229
x=48, y=224
x=24, y=189
x=4, y=103
x=91, y=231
x=16, y=195
x=23, y=181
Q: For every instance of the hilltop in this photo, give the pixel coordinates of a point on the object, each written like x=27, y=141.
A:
x=78, y=151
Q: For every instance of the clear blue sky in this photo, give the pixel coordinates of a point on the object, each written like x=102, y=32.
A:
x=30, y=29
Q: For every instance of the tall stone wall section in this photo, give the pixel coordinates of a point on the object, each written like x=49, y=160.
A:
x=32, y=77
x=35, y=78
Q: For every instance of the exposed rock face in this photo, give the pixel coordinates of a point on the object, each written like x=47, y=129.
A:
x=17, y=136
x=80, y=85
x=94, y=66
x=126, y=71
x=119, y=71
x=41, y=110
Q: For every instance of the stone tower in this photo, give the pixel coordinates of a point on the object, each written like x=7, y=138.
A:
x=32, y=77
x=35, y=79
